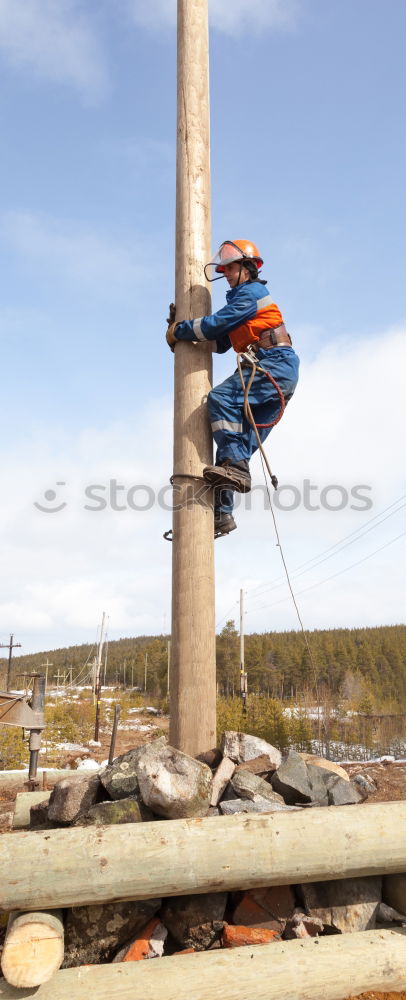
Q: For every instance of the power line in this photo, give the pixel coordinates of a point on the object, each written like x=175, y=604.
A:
x=323, y=557
x=333, y=576
x=226, y=615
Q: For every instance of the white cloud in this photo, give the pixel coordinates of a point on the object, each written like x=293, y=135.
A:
x=232, y=19
x=55, y=39
x=346, y=425
x=69, y=248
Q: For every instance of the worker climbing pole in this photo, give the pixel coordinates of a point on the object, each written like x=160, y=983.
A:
x=193, y=664
x=244, y=408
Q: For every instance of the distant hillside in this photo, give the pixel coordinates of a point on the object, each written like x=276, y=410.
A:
x=364, y=667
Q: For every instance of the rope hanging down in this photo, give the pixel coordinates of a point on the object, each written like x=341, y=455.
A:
x=247, y=357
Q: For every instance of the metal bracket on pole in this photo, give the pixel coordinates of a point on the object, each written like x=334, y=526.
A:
x=27, y=712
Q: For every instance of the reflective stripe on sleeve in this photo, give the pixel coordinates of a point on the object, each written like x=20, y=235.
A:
x=266, y=301
x=197, y=329
x=226, y=425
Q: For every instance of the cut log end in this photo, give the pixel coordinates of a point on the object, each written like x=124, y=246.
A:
x=33, y=949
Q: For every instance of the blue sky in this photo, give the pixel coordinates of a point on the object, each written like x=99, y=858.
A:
x=307, y=107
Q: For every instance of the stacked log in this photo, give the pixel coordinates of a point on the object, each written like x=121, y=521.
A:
x=287, y=867
x=321, y=969
x=33, y=949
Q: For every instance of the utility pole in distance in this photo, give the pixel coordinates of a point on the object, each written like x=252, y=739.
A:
x=243, y=675
x=10, y=646
x=193, y=662
x=97, y=684
x=47, y=665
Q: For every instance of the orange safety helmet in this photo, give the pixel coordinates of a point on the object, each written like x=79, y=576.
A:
x=233, y=250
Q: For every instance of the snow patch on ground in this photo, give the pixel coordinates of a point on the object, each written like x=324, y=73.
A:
x=138, y=728
x=88, y=765
x=345, y=753
x=71, y=747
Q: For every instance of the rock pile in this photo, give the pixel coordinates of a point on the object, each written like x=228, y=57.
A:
x=156, y=782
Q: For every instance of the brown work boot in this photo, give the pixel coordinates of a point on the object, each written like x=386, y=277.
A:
x=223, y=523
x=236, y=477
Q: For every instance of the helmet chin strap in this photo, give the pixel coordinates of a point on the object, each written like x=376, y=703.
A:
x=239, y=276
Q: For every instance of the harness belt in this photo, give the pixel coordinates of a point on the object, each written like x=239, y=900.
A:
x=277, y=336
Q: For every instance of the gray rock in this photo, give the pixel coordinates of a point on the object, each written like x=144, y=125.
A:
x=71, y=796
x=249, y=786
x=39, y=817
x=195, y=921
x=364, y=784
x=173, y=784
x=229, y=794
x=120, y=779
x=318, y=782
x=232, y=806
x=212, y=758
x=386, y=914
x=221, y=778
x=342, y=793
x=94, y=933
x=292, y=781
x=325, y=764
x=241, y=747
x=394, y=891
x=346, y=905
x=258, y=765
x=111, y=813
x=302, y=926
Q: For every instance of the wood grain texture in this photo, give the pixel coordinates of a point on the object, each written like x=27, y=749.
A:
x=193, y=666
x=327, y=968
x=87, y=865
x=33, y=949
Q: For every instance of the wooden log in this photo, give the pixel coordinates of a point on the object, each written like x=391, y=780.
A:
x=328, y=968
x=22, y=808
x=33, y=948
x=84, y=865
x=18, y=779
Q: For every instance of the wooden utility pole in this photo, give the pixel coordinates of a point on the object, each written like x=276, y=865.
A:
x=193, y=667
x=243, y=675
x=47, y=665
x=10, y=646
x=97, y=684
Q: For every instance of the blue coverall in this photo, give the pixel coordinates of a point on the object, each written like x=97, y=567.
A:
x=233, y=434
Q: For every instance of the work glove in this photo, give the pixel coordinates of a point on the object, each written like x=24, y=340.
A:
x=170, y=336
x=172, y=314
